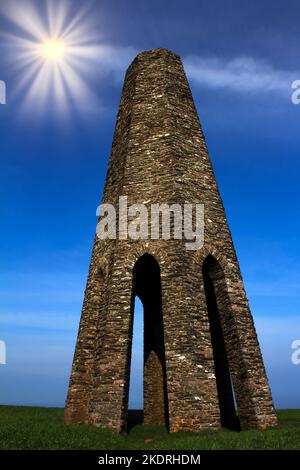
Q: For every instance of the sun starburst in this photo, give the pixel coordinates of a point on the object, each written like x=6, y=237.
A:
x=53, y=49
x=53, y=52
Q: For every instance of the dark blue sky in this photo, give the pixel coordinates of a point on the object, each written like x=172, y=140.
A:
x=241, y=58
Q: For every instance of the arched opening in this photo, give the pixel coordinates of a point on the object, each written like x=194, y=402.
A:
x=217, y=300
x=136, y=387
x=147, y=287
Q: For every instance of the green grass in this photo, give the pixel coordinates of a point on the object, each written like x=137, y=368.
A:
x=43, y=428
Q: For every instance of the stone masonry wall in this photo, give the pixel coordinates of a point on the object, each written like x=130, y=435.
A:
x=159, y=155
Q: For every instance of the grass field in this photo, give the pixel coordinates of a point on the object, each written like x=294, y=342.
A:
x=43, y=428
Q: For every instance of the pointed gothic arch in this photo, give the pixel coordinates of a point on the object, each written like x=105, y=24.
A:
x=147, y=286
x=217, y=301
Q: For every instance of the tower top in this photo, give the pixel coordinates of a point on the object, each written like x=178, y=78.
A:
x=153, y=54
x=159, y=51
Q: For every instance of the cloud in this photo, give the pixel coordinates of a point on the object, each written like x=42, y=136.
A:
x=285, y=328
x=240, y=74
x=274, y=289
x=49, y=321
x=114, y=60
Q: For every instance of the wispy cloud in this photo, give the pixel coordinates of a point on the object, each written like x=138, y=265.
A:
x=275, y=289
x=240, y=74
x=114, y=60
x=284, y=328
x=45, y=320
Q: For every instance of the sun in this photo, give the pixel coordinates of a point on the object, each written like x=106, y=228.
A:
x=53, y=50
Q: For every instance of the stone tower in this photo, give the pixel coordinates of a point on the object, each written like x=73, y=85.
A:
x=201, y=354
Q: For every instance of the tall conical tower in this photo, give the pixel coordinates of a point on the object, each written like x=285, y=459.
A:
x=201, y=354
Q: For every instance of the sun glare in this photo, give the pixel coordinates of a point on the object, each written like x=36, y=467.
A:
x=53, y=50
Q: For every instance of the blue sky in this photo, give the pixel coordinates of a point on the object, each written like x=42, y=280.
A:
x=240, y=59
